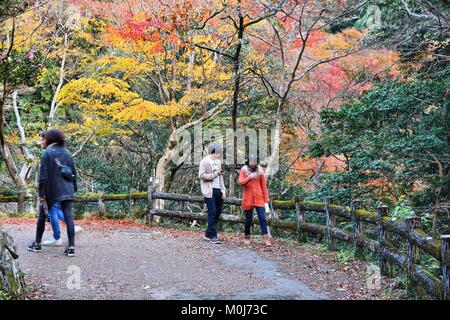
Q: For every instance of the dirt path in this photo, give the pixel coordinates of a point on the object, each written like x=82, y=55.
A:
x=124, y=260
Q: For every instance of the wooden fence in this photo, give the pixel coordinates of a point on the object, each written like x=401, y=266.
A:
x=409, y=231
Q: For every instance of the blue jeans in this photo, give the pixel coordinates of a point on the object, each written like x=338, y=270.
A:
x=54, y=214
x=249, y=220
x=214, y=205
x=66, y=207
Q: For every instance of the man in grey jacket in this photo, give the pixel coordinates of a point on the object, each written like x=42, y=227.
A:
x=213, y=188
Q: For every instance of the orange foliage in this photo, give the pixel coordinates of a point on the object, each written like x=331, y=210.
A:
x=330, y=85
x=305, y=167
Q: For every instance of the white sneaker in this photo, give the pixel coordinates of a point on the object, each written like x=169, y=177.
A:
x=52, y=242
x=78, y=229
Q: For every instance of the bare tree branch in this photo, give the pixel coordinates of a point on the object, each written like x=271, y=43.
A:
x=54, y=106
x=83, y=144
x=215, y=51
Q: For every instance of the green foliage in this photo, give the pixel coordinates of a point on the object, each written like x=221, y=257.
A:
x=403, y=210
x=5, y=295
x=12, y=8
x=344, y=256
x=410, y=35
x=431, y=265
x=20, y=68
x=396, y=134
x=336, y=185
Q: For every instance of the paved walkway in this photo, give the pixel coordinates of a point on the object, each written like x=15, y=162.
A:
x=130, y=261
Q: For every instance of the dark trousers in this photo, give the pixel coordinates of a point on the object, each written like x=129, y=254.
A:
x=249, y=220
x=66, y=207
x=214, y=205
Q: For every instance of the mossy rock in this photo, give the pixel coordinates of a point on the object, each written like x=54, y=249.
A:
x=12, y=284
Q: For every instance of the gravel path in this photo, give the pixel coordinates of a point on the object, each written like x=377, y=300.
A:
x=120, y=259
x=130, y=261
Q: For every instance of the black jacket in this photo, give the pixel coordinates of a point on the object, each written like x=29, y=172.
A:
x=52, y=186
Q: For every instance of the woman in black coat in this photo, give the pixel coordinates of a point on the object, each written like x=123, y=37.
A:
x=57, y=183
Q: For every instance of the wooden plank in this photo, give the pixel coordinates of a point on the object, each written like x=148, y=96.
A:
x=190, y=198
x=283, y=224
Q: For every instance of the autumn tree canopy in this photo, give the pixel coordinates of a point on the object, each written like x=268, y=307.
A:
x=338, y=79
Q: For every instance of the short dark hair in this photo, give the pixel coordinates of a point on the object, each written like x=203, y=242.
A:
x=251, y=158
x=54, y=136
x=214, y=148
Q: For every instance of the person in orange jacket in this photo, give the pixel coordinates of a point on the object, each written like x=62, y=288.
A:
x=254, y=196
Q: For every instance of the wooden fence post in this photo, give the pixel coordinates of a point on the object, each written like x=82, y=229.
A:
x=331, y=223
x=382, y=238
x=150, y=204
x=445, y=265
x=413, y=252
x=101, y=205
x=300, y=219
x=130, y=203
x=357, y=229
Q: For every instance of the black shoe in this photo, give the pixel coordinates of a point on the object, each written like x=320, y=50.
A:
x=70, y=252
x=206, y=236
x=214, y=240
x=34, y=247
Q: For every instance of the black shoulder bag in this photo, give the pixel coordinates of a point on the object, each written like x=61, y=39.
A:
x=65, y=171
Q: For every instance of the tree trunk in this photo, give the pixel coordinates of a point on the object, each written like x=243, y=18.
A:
x=236, y=89
x=163, y=163
x=13, y=173
x=273, y=162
